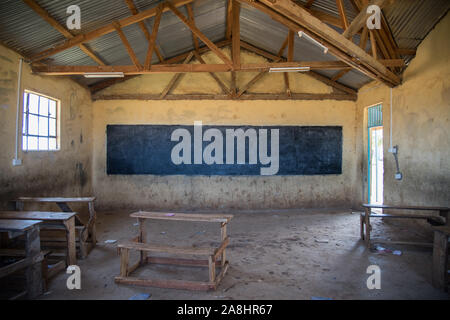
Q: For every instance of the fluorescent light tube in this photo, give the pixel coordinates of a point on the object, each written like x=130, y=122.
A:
x=104, y=75
x=290, y=69
x=301, y=34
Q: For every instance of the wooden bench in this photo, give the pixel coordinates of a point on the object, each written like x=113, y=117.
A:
x=51, y=220
x=366, y=227
x=32, y=259
x=212, y=257
x=87, y=230
x=441, y=251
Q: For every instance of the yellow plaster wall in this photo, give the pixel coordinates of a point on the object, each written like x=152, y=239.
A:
x=188, y=192
x=421, y=128
x=59, y=173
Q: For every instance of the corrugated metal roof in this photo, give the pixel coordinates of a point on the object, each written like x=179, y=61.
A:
x=26, y=32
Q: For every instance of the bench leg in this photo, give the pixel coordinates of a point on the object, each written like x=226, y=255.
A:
x=83, y=243
x=124, y=256
x=361, y=221
x=224, y=236
x=71, y=243
x=440, y=261
x=92, y=221
x=33, y=272
x=142, y=239
x=368, y=228
x=212, y=269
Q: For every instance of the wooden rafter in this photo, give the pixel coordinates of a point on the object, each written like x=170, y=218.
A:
x=88, y=36
x=337, y=44
x=290, y=55
x=176, y=77
x=164, y=68
x=256, y=96
x=283, y=46
x=229, y=19
x=213, y=75
x=152, y=42
x=309, y=3
x=341, y=9
x=127, y=45
x=286, y=84
x=143, y=27
x=179, y=58
x=236, y=36
x=66, y=33
x=199, y=34
x=192, y=20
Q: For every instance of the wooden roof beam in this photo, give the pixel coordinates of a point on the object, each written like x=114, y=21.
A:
x=199, y=34
x=192, y=20
x=66, y=33
x=152, y=42
x=144, y=29
x=88, y=36
x=213, y=75
x=57, y=70
x=176, y=77
x=127, y=45
x=338, y=45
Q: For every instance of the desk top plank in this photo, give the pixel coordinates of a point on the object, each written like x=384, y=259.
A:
x=55, y=199
x=17, y=225
x=199, y=217
x=37, y=215
x=384, y=206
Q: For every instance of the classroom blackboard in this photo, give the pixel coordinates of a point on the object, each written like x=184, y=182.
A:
x=146, y=149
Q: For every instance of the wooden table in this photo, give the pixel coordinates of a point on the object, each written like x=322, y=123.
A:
x=66, y=219
x=33, y=257
x=441, y=251
x=89, y=230
x=366, y=227
x=212, y=254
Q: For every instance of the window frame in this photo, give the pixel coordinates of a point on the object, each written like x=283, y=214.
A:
x=25, y=116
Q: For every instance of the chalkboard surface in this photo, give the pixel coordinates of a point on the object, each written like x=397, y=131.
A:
x=146, y=149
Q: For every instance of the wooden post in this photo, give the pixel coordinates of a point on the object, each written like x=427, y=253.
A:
x=92, y=221
x=142, y=239
x=34, y=270
x=440, y=260
x=367, y=223
x=71, y=244
x=361, y=218
x=124, y=255
x=212, y=269
x=223, y=232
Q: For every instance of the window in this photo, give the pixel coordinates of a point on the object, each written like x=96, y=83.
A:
x=40, y=125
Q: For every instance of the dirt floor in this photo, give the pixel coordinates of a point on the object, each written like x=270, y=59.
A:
x=284, y=254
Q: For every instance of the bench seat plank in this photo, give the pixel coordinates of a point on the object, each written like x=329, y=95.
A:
x=37, y=215
x=425, y=208
x=167, y=249
x=17, y=225
x=200, y=217
x=404, y=216
x=54, y=199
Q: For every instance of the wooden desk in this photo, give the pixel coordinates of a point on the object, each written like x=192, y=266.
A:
x=140, y=244
x=89, y=230
x=67, y=219
x=33, y=257
x=366, y=227
x=441, y=250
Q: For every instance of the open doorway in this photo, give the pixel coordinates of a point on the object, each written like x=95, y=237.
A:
x=375, y=154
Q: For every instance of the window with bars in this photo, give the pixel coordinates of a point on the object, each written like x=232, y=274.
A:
x=40, y=123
